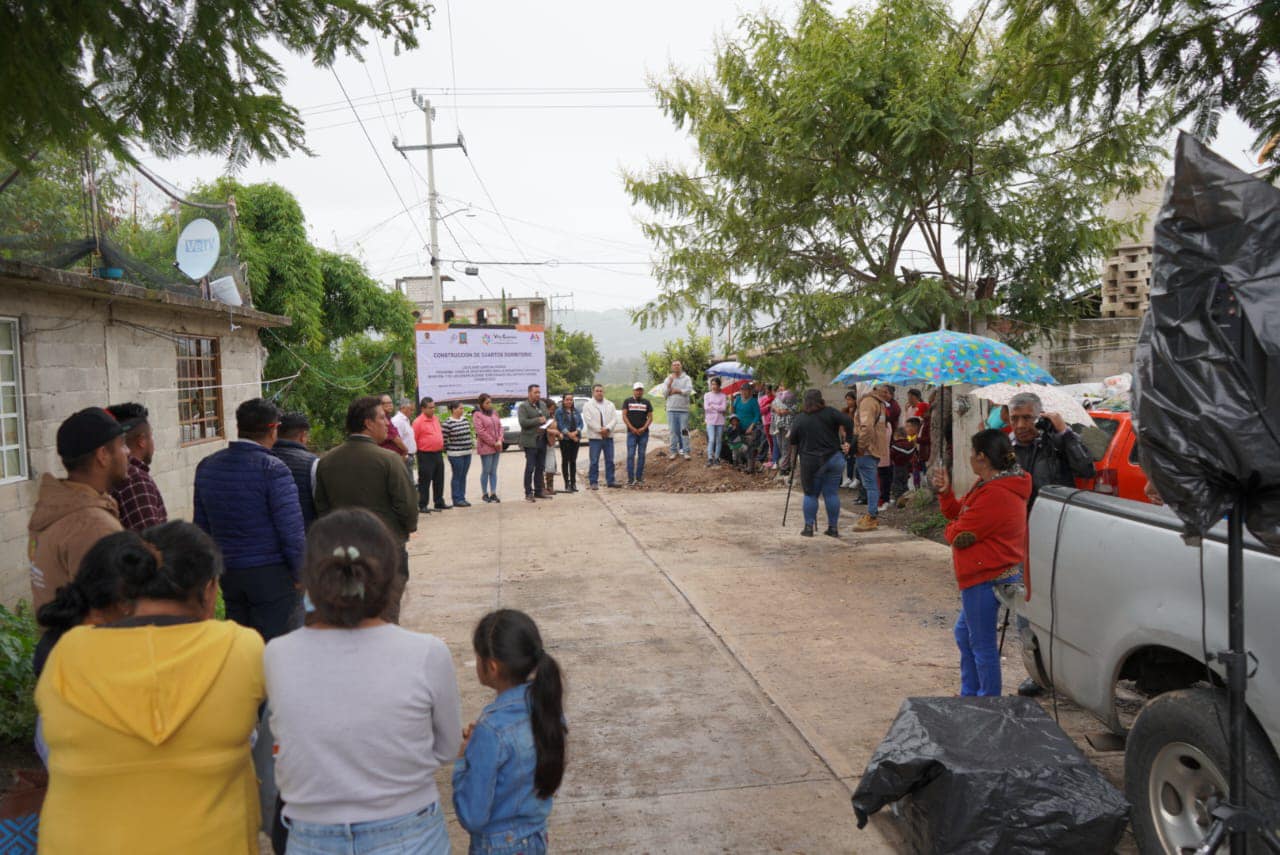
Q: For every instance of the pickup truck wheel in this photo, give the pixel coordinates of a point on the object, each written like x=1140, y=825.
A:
x=1175, y=762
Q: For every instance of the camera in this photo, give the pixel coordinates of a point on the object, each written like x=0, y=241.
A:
x=1043, y=424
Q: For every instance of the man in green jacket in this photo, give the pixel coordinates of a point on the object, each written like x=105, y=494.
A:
x=532, y=415
x=360, y=474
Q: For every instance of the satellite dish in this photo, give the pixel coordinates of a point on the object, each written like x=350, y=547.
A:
x=198, y=248
x=224, y=290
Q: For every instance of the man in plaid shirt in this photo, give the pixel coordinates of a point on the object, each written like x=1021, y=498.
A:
x=138, y=497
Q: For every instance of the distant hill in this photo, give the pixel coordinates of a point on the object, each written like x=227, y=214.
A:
x=616, y=336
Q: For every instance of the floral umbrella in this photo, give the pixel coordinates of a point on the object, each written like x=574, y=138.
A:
x=944, y=358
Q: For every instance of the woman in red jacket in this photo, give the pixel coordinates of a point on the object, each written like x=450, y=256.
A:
x=988, y=537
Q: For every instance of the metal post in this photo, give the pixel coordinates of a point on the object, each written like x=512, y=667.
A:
x=1237, y=668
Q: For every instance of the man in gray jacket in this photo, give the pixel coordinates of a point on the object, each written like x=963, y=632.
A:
x=532, y=415
x=678, y=388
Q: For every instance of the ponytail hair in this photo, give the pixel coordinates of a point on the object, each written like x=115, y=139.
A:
x=351, y=566
x=98, y=583
x=511, y=638
x=995, y=446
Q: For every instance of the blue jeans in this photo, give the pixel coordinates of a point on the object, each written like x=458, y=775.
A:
x=459, y=466
x=715, y=438
x=976, y=638
x=635, y=454
x=595, y=446
x=421, y=833
x=489, y=474
x=678, y=422
x=869, y=474
x=509, y=843
x=825, y=483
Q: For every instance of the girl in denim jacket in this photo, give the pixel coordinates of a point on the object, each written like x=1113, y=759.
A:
x=513, y=756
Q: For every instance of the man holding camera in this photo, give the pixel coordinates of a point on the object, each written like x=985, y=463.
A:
x=1051, y=453
x=1047, y=448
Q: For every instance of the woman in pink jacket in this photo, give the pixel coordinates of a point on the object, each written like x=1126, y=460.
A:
x=713, y=407
x=488, y=445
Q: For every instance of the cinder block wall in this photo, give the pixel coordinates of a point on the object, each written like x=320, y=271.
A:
x=79, y=352
x=1090, y=350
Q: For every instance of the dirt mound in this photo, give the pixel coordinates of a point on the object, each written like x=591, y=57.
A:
x=664, y=473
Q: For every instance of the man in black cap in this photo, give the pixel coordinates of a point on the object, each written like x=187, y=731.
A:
x=141, y=505
x=74, y=513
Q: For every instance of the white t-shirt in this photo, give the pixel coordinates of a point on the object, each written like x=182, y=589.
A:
x=405, y=428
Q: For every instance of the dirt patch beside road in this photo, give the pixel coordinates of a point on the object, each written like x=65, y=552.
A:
x=665, y=473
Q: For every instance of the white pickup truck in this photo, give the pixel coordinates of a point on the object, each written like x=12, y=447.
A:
x=1117, y=600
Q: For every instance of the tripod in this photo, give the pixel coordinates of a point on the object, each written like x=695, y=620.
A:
x=1232, y=819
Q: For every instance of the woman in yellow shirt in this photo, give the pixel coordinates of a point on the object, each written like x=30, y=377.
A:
x=148, y=719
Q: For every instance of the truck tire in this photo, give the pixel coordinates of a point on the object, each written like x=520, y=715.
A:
x=1176, y=759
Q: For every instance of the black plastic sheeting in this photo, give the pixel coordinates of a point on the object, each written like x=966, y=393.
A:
x=982, y=775
x=1207, y=370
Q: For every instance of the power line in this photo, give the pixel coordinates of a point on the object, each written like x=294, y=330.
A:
x=392, y=94
x=404, y=206
x=507, y=228
x=599, y=238
x=453, y=64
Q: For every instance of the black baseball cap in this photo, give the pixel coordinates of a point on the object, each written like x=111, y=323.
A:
x=86, y=431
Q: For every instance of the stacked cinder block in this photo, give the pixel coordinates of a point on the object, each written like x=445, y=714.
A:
x=1126, y=282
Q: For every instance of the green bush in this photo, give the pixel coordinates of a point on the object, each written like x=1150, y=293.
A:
x=18, y=636
x=928, y=525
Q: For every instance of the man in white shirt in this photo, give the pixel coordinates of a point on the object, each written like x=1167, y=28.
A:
x=678, y=389
x=600, y=418
x=402, y=421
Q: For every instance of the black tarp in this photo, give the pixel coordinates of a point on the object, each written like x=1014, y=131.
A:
x=1207, y=379
x=989, y=775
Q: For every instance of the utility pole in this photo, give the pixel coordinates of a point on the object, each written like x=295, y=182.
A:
x=437, y=287
x=558, y=309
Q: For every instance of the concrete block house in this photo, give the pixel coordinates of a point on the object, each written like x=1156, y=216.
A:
x=69, y=341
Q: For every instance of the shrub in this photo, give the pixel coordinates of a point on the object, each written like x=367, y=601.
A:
x=18, y=636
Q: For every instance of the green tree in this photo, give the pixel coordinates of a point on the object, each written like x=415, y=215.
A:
x=1208, y=55
x=346, y=328
x=826, y=147
x=46, y=206
x=572, y=359
x=176, y=77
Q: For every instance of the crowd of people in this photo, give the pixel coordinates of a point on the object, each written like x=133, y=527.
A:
x=149, y=708
x=987, y=527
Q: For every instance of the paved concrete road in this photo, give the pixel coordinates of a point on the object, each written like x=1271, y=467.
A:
x=728, y=679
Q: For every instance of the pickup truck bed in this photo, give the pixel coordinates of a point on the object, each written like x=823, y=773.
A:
x=1115, y=594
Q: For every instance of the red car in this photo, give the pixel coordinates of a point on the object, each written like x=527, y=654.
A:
x=1114, y=447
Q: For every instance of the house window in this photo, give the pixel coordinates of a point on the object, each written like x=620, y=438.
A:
x=13, y=438
x=482, y=316
x=199, y=389
x=513, y=315
x=448, y=316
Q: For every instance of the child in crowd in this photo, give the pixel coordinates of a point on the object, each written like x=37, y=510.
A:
x=919, y=462
x=513, y=756
x=736, y=441
x=755, y=443
x=902, y=451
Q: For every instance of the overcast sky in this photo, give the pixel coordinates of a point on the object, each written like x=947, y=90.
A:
x=552, y=100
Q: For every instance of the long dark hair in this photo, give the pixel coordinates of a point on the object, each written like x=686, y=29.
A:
x=351, y=566
x=511, y=638
x=98, y=583
x=995, y=446
x=189, y=561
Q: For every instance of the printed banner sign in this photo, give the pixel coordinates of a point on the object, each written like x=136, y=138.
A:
x=458, y=363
